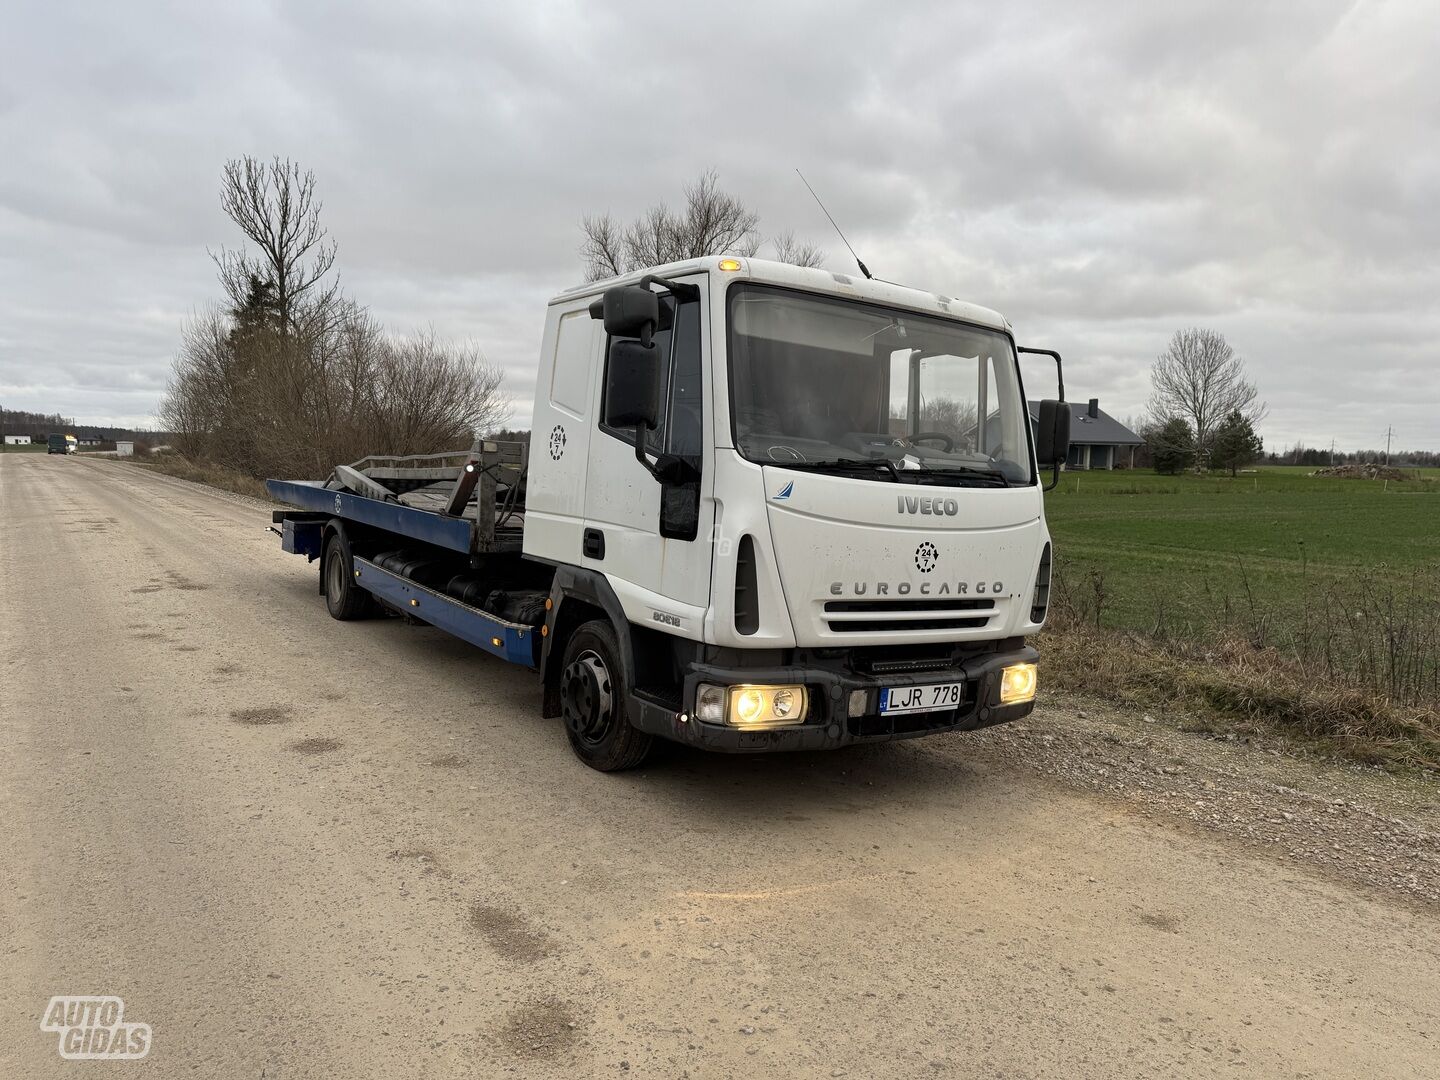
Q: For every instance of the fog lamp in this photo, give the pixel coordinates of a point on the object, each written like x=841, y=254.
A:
x=710, y=703
x=1017, y=684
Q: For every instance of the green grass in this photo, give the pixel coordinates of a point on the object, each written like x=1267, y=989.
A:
x=1276, y=600
x=33, y=448
x=1181, y=552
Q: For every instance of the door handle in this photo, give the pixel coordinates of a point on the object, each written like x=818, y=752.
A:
x=593, y=545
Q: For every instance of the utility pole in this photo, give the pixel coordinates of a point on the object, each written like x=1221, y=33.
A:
x=1389, y=434
x=1332, y=451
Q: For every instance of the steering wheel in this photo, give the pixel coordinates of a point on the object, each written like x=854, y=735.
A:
x=948, y=444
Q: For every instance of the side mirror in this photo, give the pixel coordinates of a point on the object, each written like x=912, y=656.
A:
x=628, y=310
x=1052, y=433
x=632, y=384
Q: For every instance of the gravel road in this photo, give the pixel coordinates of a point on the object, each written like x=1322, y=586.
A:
x=297, y=848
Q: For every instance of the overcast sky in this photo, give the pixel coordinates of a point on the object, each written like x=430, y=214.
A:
x=1102, y=174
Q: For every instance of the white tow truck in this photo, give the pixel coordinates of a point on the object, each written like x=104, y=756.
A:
x=764, y=508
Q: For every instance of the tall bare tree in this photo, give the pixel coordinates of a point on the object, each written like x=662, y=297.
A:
x=712, y=223
x=1201, y=380
x=293, y=377
x=275, y=205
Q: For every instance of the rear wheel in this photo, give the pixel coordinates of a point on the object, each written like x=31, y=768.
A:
x=592, y=700
x=343, y=598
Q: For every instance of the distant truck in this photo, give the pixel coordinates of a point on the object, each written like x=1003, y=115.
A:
x=60, y=443
x=763, y=508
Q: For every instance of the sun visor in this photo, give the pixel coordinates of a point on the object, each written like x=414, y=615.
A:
x=833, y=328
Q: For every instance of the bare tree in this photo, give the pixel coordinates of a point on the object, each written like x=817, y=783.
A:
x=294, y=377
x=274, y=204
x=1200, y=379
x=796, y=252
x=604, y=247
x=712, y=223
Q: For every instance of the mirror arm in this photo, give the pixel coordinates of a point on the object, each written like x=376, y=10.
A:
x=1060, y=379
x=1054, y=479
x=1059, y=364
x=1060, y=367
x=680, y=290
x=641, y=456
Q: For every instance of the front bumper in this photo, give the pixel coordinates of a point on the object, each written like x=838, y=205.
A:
x=828, y=724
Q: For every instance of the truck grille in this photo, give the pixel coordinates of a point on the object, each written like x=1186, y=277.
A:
x=883, y=616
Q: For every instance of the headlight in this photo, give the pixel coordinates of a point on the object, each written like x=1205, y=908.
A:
x=751, y=706
x=1017, y=684
x=710, y=703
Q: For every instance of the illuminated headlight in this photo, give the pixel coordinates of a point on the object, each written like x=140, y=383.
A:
x=751, y=706
x=1017, y=684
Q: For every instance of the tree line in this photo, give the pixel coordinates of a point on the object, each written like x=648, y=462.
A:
x=39, y=425
x=1300, y=454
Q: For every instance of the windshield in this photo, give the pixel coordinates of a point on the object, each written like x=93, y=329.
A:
x=832, y=384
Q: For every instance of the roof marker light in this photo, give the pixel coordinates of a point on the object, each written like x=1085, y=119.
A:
x=730, y=265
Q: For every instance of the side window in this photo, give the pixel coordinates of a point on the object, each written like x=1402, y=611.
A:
x=679, y=430
x=683, y=408
x=570, y=376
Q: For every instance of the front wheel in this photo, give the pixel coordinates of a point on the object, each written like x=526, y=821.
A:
x=592, y=700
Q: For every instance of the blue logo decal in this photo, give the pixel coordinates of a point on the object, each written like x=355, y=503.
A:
x=784, y=493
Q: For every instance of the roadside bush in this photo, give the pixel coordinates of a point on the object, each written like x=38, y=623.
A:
x=268, y=403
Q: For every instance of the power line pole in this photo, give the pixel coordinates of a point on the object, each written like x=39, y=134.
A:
x=1389, y=434
x=1332, y=451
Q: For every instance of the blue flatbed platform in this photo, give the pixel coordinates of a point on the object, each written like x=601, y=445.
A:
x=510, y=641
x=456, y=534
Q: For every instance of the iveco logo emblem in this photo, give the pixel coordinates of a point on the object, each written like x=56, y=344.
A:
x=924, y=504
x=926, y=556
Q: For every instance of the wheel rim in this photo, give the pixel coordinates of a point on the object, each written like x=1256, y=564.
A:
x=586, y=699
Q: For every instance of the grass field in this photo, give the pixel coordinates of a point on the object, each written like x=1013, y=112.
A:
x=1186, y=553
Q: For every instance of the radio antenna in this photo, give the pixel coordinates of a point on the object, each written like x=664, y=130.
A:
x=863, y=268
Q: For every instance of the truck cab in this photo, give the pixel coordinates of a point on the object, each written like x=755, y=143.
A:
x=809, y=505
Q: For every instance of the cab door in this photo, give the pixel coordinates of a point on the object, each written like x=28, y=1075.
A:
x=661, y=580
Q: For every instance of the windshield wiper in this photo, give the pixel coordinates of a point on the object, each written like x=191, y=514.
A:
x=846, y=464
x=950, y=472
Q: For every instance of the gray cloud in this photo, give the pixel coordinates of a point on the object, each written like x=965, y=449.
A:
x=1101, y=174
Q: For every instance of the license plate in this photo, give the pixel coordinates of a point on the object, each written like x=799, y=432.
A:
x=930, y=698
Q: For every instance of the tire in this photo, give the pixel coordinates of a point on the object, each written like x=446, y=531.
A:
x=592, y=701
x=343, y=598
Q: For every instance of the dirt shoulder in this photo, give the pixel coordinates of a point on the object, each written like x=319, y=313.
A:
x=1355, y=823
